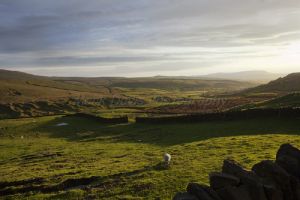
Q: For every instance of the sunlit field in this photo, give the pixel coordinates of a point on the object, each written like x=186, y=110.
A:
x=87, y=159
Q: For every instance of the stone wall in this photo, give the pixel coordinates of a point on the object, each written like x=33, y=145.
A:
x=267, y=180
x=123, y=119
x=227, y=115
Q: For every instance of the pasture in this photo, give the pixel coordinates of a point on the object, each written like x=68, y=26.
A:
x=87, y=159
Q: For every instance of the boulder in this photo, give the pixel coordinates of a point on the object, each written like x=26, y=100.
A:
x=211, y=192
x=288, y=157
x=184, y=196
x=202, y=192
x=289, y=164
x=234, y=193
x=276, y=177
x=295, y=187
x=268, y=180
x=273, y=193
x=246, y=177
x=288, y=149
x=257, y=192
x=221, y=180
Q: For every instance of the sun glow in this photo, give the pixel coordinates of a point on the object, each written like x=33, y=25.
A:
x=291, y=53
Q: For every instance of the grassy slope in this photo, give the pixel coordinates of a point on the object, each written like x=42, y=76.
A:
x=89, y=149
x=290, y=100
x=20, y=92
x=289, y=83
x=180, y=84
x=285, y=101
x=20, y=87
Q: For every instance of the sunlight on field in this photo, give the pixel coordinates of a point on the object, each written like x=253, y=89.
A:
x=126, y=156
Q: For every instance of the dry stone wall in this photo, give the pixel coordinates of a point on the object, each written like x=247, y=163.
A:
x=267, y=180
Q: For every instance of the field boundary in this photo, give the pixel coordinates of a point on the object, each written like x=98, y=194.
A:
x=227, y=115
x=119, y=120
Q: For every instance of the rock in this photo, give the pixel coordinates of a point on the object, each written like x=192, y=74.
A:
x=202, y=192
x=276, y=177
x=221, y=180
x=246, y=177
x=295, y=187
x=288, y=149
x=288, y=157
x=289, y=164
x=230, y=188
x=268, y=180
x=212, y=192
x=234, y=193
x=257, y=192
x=272, y=193
x=184, y=196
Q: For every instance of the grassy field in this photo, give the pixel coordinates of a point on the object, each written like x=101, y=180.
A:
x=122, y=161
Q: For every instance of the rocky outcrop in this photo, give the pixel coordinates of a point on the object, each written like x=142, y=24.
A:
x=267, y=180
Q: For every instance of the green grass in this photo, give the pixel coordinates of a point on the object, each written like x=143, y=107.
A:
x=291, y=100
x=126, y=156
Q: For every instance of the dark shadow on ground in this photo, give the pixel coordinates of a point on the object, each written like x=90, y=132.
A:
x=99, y=182
x=86, y=130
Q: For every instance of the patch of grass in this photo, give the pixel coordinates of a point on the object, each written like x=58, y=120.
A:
x=125, y=158
x=291, y=100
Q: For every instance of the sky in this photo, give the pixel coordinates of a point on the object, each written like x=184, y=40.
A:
x=149, y=37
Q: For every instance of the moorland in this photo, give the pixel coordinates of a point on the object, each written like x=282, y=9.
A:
x=48, y=153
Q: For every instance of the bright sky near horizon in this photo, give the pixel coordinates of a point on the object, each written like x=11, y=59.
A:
x=149, y=37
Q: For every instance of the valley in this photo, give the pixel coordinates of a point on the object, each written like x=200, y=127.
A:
x=51, y=151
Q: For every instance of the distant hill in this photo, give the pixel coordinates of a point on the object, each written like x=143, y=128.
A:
x=22, y=87
x=287, y=84
x=24, y=95
x=15, y=75
x=252, y=76
x=18, y=87
x=180, y=84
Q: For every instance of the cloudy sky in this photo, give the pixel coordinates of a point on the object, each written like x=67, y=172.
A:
x=149, y=37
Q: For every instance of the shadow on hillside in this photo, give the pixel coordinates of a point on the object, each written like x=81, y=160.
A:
x=86, y=130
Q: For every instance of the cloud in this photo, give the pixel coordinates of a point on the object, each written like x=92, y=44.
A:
x=144, y=33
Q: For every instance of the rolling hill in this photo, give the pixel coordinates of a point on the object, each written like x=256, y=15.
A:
x=22, y=87
x=287, y=84
x=250, y=76
x=291, y=100
x=18, y=87
x=25, y=95
x=180, y=84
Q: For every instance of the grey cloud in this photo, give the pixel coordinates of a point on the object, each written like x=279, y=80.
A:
x=74, y=61
x=39, y=27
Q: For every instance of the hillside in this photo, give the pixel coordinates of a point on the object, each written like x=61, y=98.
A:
x=23, y=87
x=18, y=87
x=24, y=95
x=290, y=100
x=180, y=84
x=250, y=76
x=287, y=84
